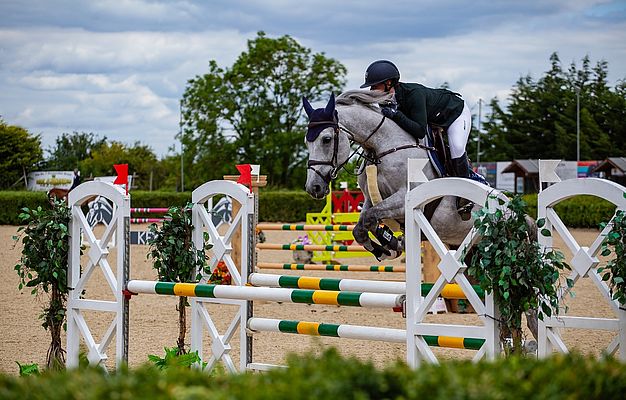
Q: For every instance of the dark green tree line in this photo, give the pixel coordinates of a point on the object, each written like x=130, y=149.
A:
x=95, y=156
x=252, y=111
x=71, y=149
x=20, y=153
x=540, y=119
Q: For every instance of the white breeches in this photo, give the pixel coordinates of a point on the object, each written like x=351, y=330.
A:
x=459, y=131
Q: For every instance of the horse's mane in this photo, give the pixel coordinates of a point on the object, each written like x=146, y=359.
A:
x=363, y=96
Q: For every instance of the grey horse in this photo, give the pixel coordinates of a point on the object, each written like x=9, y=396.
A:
x=356, y=118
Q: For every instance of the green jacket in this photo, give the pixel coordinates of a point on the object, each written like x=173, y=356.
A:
x=419, y=106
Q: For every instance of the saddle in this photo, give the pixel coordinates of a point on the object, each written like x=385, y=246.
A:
x=440, y=156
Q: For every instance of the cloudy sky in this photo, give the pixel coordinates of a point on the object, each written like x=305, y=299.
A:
x=118, y=68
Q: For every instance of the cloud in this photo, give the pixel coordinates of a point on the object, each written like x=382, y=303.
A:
x=487, y=62
x=119, y=67
x=125, y=85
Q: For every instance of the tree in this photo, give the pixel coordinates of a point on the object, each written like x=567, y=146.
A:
x=140, y=158
x=70, y=149
x=251, y=112
x=540, y=119
x=20, y=152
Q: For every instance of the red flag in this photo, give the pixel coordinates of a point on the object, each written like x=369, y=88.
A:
x=245, y=177
x=122, y=175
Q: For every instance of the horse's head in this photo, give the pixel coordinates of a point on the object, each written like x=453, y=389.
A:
x=328, y=149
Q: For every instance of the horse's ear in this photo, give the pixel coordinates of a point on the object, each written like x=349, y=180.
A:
x=307, y=106
x=330, y=107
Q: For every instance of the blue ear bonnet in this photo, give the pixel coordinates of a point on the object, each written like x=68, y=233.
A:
x=321, y=118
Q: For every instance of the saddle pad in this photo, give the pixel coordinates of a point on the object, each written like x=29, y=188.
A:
x=432, y=154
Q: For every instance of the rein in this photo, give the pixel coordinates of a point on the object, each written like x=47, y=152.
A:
x=373, y=158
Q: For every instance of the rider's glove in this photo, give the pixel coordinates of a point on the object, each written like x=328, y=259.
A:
x=389, y=111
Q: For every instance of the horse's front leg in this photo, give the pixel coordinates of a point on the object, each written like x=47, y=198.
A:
x=361, y=235
x=390, y=208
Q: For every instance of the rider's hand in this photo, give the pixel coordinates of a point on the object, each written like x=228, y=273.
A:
x=389, y=111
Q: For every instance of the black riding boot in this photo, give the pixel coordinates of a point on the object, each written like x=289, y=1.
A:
x=461, y=169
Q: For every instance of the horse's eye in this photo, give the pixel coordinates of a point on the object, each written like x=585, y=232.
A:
x=326, y=139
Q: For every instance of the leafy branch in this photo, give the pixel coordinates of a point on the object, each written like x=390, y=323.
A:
x=510, y=263
x=614, y=273
x=174, y=359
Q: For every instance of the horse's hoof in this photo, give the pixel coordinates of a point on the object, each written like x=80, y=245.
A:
x=392, y=255
x=465, y=212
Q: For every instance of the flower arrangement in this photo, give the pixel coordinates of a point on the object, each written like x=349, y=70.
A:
x=220, y=275
x=304, y=240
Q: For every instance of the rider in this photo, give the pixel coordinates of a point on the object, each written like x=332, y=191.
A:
x=416, y=106
x=76, y=181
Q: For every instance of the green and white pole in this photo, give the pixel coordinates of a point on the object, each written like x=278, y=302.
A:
x=251, y=293
x=358, y=332
x=449, y=291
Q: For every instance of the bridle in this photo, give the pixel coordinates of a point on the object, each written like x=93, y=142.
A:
x=333, y=163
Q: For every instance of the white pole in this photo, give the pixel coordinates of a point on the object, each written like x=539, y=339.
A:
x=182, y=149
x=343, y=331
x=577, y=124
x=350, y=285
x=480, y=104
x=253, y=293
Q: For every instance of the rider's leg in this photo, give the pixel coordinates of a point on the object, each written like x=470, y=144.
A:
x=458, y=134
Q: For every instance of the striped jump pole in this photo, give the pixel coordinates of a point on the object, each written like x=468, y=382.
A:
x=146, y=220
x=308, y=282
x=295, y=227
x=333, y=267
x=450, y=291
x=328, y=297
x=332, y=330
x=149, y=210
x=357, y=332
x=308, y=247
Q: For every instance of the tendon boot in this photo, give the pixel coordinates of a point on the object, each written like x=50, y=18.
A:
x=461, y=169
x=387, y=239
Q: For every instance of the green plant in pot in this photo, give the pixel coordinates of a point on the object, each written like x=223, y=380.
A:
x=176, y=259
x=43, y=268
x=510, y=263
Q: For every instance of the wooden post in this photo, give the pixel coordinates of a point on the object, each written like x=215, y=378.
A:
x=430, y=259
x=257, y=182
x=430, y=273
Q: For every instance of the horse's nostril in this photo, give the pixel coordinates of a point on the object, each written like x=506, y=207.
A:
x=317, y=188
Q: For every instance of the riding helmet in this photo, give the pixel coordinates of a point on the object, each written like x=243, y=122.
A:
x=379, y=71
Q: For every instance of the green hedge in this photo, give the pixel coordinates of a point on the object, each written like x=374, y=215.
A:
x=577, y=212
x=330, y=376
x=287, y=206
x=141, y=198
x=12, y=202
x=292, y=206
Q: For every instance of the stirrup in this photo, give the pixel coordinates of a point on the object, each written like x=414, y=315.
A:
x=464, y=208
